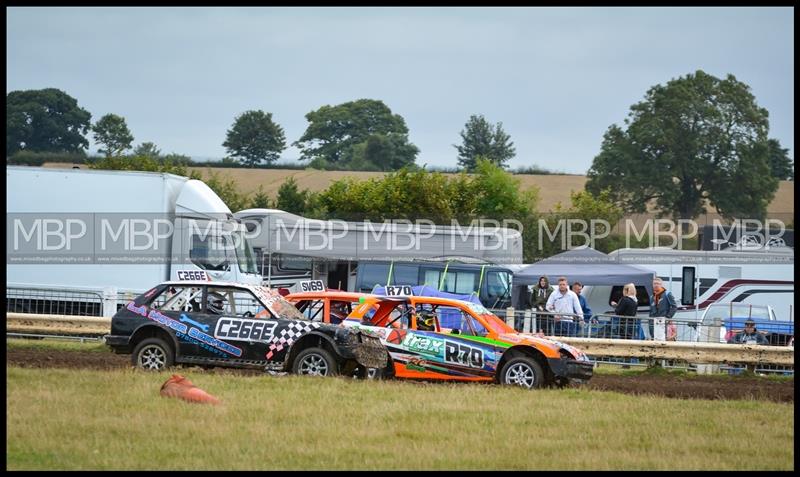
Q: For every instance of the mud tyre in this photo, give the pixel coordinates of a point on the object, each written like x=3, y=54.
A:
x=153, y=354
x=524, y=372
x=315, y=362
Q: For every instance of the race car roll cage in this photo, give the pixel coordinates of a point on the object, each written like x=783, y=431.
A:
x=411, y=312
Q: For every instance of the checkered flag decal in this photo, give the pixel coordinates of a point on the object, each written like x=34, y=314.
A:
x=289, y=335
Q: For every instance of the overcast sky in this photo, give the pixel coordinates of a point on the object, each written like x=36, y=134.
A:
x=555, y=77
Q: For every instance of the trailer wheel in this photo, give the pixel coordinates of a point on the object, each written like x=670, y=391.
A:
x=153, y=354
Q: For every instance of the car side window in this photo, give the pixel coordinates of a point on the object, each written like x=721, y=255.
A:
x=232, y=302
x=312, y=309
x=399, y=317
x=178, y=298
x=453, y=318
x=477, y=326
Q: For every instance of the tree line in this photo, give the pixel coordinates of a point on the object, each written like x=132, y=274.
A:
x=695, y=141
x=356, y=135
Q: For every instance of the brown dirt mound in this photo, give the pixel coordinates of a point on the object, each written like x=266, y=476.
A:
x=685, y=387
x=697, y=387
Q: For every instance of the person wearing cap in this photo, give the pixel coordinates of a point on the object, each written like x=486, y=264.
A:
x=750, y=335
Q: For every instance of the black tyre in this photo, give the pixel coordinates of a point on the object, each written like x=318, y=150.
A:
x=153, y=354
x=523, y=371
x=315, y=362
x=366, y=373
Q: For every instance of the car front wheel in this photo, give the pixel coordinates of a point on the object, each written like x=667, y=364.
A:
x=153, y=354
x=315, y=362
x=523, y=371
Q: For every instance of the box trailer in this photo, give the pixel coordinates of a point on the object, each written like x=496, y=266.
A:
x=75, y=235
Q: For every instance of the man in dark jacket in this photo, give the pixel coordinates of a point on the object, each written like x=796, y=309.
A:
x=750, y=335
x=587, y=312
x=662, y=304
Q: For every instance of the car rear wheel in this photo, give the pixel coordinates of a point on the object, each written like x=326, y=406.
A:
x=153, y=354
x=523, y=371
x=315, y=362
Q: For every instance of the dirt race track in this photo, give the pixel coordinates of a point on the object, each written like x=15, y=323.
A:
x=686, y=387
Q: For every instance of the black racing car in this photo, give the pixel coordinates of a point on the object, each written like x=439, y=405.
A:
x=236, y=325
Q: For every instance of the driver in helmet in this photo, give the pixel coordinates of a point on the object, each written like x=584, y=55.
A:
x=216, y=303
x=425, y=321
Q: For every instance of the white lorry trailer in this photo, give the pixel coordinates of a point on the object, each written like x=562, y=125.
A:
x=81, y=241
x=355, y=256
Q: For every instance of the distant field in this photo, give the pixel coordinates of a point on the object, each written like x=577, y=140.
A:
x=553, y=188
x=84, y=419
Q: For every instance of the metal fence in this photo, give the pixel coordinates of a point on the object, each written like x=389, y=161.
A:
x=632, y=327
x=54, y=301
x=731, y=368
x=644, y=328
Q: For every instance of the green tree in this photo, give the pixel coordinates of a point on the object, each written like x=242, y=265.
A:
x=780, y=165
x=255, y=138
x=260, y=200
x=113, y=134
x=498, y=193
x=480, y=138
x=45, y=120
x=381, y=152
x=697, y=139
x=290, y=198
x=139, y=163
x=147, y=149
x=361, y=130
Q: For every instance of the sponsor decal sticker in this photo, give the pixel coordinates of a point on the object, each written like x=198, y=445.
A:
x=424, y=344
x=211, y=341
x=186, y=319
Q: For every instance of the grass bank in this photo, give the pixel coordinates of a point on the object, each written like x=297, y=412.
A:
x=82, y=419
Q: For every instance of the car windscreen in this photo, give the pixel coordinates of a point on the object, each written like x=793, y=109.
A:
x=491, y=320
x=726, y=311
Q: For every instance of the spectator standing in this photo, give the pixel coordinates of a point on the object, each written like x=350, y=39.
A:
x=662, y=308
x=750, y=335
x=621, y=325
x=541, y=293
x=587, y=312
x=564, y=300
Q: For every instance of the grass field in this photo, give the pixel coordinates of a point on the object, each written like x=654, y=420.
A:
x=82, y=419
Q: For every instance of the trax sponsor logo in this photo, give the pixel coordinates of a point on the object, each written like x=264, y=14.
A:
x=424, y=344
x=459, y=353
x=245, y=330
